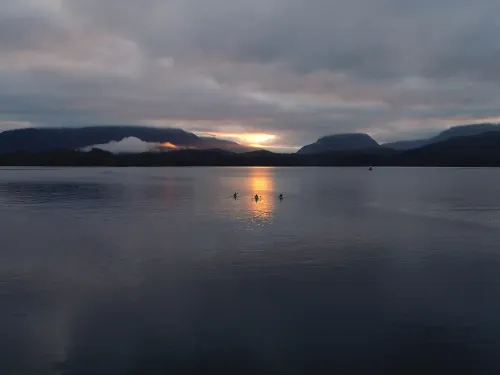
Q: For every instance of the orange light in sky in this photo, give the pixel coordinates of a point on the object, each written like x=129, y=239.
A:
x=168, y=145
x=249, y=139
x=257, y=138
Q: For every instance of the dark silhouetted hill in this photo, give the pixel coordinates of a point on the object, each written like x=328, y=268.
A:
x=463, y=151
x=215, y=143
x=474, y=150
x=455, y=131
x=407, y=145
x=49, y=139
x=465, y=130
x=340, y=142
x=187, y=157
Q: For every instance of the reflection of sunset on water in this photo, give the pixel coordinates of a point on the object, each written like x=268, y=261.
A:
x=261, y=182
x=248, y=182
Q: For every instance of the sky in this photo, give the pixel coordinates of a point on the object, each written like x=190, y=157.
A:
x=277, y=73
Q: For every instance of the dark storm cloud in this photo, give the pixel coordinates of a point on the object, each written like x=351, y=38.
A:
x=295, y=68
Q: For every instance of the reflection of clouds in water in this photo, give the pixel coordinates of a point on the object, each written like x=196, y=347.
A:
x=57, y=192
x=166, y=192
x=241, y=326
x=94, y=195
x=31, y=343
x=181, y=333
x=248, y=326
x=325, y=286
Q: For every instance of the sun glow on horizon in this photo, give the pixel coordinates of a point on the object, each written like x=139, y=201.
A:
x=257, y=140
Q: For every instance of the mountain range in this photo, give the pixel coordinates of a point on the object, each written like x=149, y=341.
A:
x=357, y=141
x=467, y=151
x=470, y=145
x=49, y=139
x=455, y=131
x=363, y=142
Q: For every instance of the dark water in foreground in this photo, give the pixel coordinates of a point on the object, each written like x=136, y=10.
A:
x=160, y=271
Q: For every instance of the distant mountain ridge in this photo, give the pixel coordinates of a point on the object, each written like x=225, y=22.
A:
x=455, y=131
x=47, y=139
x=341, y=149
x=340, y=142
x=467, y=151
x=472, y=150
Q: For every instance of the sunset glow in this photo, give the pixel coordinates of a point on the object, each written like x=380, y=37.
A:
x=257, y=140
x=168, y=145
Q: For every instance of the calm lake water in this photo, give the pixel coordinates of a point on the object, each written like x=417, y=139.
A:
x=160, y=271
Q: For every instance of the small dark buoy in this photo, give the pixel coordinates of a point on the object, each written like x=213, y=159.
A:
x=370, y=169
x=281, y=197
x=256, y=197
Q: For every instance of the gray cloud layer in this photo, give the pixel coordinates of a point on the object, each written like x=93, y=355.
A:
x=295, y=68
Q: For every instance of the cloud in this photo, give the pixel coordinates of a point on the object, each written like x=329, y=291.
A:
x=129, y=145
x=297, y=69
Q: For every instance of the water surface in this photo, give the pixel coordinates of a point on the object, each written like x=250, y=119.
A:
x=156, y=271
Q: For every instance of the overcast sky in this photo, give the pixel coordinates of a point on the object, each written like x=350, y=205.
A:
x=296, y=69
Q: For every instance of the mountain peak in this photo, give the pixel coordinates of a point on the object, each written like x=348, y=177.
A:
x=340, y=142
